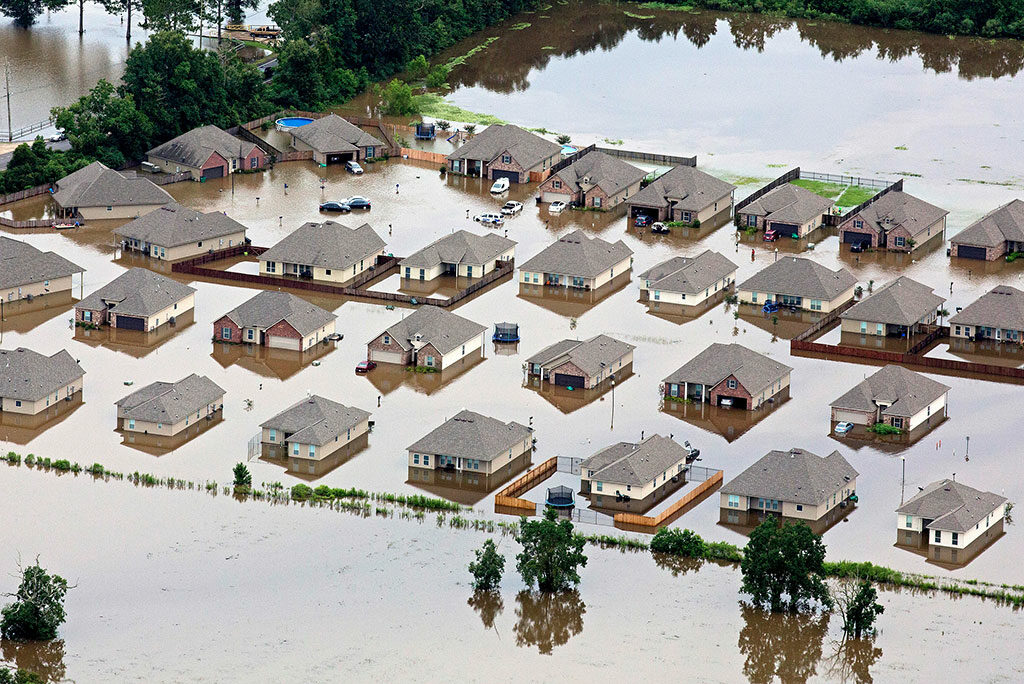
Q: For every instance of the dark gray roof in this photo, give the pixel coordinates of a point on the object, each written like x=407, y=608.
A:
x=794, y=476
x=23, y=264
x=327, y=245
x=689, y=274
x=905, y=392
x=901, y=302
x=460, y=247
x=471, y=435
x=137, y=292
x=526, y=148
x=331, y=134
x=170, y=402
x=436, y=326
x=30, y=376
x=713, y=365
x=590, y=356
x=635, y=464
x=996, y=227
x=800, y=277
x=316, y=420
x=951, y=506
x=683, y=187
x=789, y=203
x=1001, y=307
x=900, y=209
x=173, y=225
x=193, y=148
x=577, y=254
x=98, y=186
x=609, y=173
x=270, y=307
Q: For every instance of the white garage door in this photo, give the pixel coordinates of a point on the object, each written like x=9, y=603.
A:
x=278, y=342
x=554, y=197
x=855, y=417
x=385, y=356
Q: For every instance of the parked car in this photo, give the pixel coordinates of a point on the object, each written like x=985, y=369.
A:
x=843, y=428
x=725, y=402
x=365, y=366
x=489, y=217
x=771, y=235
x=499, y=186
x=642, y=220
x=770, y=307
x=59, y=137
x=556, y=207
x=511, y=208
x=149, y=167
x=335, y=206
x=659, y=228
x=357, y=202
x=353, y=167
x=859, y=246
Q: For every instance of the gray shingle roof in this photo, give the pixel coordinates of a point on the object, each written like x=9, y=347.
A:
x=316, y=420
x=170, y=402
x=332, y=134
x=193, y=148
x=996, y=227
x=436, y=326
x=790, y=204
x=905, y=391
x=683, y=187
x=635, y=464
x=800, y=277
x=689, y=275
x=470, y=435
x=590, y=356
x=270, y=307
x=173, y=225
x=901, y=302
x=526, y=148
x=794, y=476
x=460, y=247
x=327, y=245
x=609, y=173
x=30, y=376
x=713, y=365
x=23, y=264
x=576, y=254
x=1001, y=307
x=137, y=292
x=951, y=505
x=98, y=186
x=897, y=208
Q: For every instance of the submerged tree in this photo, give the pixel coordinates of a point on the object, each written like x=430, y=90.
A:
x=243, y=478
x=38, y=607
x=858, y=606
x=487, y=568
x=24, y=12
x=551, y=553
x=784, y=561
x=19, y=676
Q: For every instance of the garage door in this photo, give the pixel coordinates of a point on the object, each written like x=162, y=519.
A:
x=737, y=402
x=385, y=357
x=130, y=322
x=568, y=380
x=855, y=417
x=513, y=176
x=965, y=252
x=635, y=211
x=850, y=237
x=785, y=228
x=214, y=172
x=340, y=158
x=554, y=197
x=280, y=342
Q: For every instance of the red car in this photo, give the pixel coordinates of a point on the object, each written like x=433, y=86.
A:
x=770, y=235
x=365, y=366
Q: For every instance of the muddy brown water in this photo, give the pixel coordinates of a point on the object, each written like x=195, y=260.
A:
x=152, y=563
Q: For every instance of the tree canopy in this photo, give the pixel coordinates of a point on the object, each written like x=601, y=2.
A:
x=552, y=554
x=784, y=561
x=487, y=568
x=104, y=126
x=38, y=607
x=24, y=12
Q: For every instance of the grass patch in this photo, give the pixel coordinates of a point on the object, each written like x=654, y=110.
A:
x=985, y=182
x=830, y=190
x=776, y=166
x=548, y=47
x=637, y=16
x=667, y=6
x=432, y=104
x=745, y=180
x=900, y=147
x=612, y=142
x=854, y=195
x=520, y=26
x=461, y=59
x=908, y=173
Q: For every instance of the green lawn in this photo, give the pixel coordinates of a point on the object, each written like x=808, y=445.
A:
x=854, y=195
x=844, y=195
x=830, y=190
x=431, y=104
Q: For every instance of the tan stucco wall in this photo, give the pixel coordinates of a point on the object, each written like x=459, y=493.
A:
x=457, y=353
x=499, y=460
x=746, y=297
x=167, y=429
x=336, y=275
x=194, y=248
x=168, y=166
x=633, y=491
x=123, y=212
x=36, y=289
x=177, y=309
x=689, y=298
x=30, y=408
x=321, y=451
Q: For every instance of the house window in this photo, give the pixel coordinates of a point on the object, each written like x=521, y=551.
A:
x=87, y=316
x=463, y=350
x=751, y=220
x=799, y=507
x=753, y=297
x=600, y=486
x=249, y=333
x=956, y=538
x=858, y=224
x=657, y=294
x=416, y=459
x=254, y=162
x=900, y=241
x=455, y=165
x=730, y=383
x=163, y=253
x=863, y=327
x=910, y=521
x=200, y=243
x=273, y=435
x=687, y=216
x=131, y=423
x=387, y=339
x=469, y=271
x=421, y=274
x=815, y=305
x=234, y=163
x=426, y=459
x=879, y=329
x=938, y=536
x=295, y=449
x=312, y=451
x=536, y=278
x=597, y=202
x=897, y=422
x=556, y=184
x=327, y=271
x=408, y=272
x=17, y=402
x=734, y=501
x=46, y=283
x=225, y=333
x=430, y=361
x=506, y=159
x=271, y=267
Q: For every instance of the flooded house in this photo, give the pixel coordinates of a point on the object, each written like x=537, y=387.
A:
x=893, y=396
x=729, y=375
x=895, y=221
x=278, y=320
x=998, y=233
x=580, y=364
x=98, y=192
x=333, y=140
x=471, y=442
x=327, y=251
x=27, y=272
x=634, y=476
x=787, y=209
x=997, y=315
x=579, y=261
x=207, y=152
x=313, y=431
x=429, y=337
x=505, y=151
x=795, y=484
x=687, y=281
x=902, y=308
x=684, y=195
x=31, y=382
x=798, y=283
x=462, y=254
x=138, y=299
x=175, y=232
x=950, y=521
x=595, y=179
x=169, y=408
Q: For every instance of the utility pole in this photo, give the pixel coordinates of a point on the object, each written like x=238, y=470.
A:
x=7, y=82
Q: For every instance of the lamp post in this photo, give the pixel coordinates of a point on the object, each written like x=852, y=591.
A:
x=903, y=483
x=613, y=401
x=967, y=453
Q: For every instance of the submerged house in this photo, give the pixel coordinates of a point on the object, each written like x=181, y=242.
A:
x=275, y=319
x=894, y=396
x=728, y=375
x=30, y=382
x=505, y=151
x=430, y=336
x=461, y=253
x=799, y=283
x=27, y=272
x=471, y=442
x=98, y=192
x=895, y=221
x=138, y=299
x=688, y=281
x=327, y=251
x=787, y=209
x=997, y=315
x=596, y=180
x=683, y=194
x=636, y=474
x=175, y=232
x=168, y=408
x=313, y=429
x=953, y=520
x=997, y=233
x=207, y=152
x=901, y=308
x=579, y=261
x=334, y=140
x=582, y=365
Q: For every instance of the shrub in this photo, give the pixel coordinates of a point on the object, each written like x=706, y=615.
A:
x=884, y=429
x=551, y=553
x=438, y=78
x=397, y=97
x=38, y=607
x=487, y=568
x=62, y=464
x=678, y=543
x=243, y=478
x=301, y=492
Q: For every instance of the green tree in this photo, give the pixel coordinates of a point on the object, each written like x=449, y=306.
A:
x=123, y=7
x=184, y=16
x=784, y=561
x=417, y=66
x=678, y=543
x=38, y=607
x=487, y=568
x=397, y=97
x=243, y=478
x=35, y=164
x=101, y=125
x=858, y=607
x=470, y=129
x=444, y=125
x=563, y=139
x=24, y=12
x=438, y=76
x=552, y=553
x=19, y=676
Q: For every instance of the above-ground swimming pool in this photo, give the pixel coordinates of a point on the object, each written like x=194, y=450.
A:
x=290, y=122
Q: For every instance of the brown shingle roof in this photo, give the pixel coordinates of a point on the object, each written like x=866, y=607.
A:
x=689, y=275
x=332, y=134
x=577, y=254
x=901, y=302
x=800, y=277
x=193, y=148
x=600, y=170
x=98, y=186
x=794, y=476
x=905, y=392
x=683, y=187
x=1005, y=224
x=790, y=204
x=898, y=208
x=1001, y=307
x=526, y=148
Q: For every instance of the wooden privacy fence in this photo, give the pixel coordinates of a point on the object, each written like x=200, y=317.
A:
x=508, y=498
x=31, y=223
x=424, y=155
x=791, y=175
x=669, y=514
x=24, y=194
x=649, y=157
x=825, y=322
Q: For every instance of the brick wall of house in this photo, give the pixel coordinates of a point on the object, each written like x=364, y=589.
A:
x=225, y=322
x=569, y=368
x=742, y=220
x=377, y=344
x=991, y=253
x=598, y=192
x=259, y=155
x=677, y=215
x=722, y=390
x=429, y=350
x=848, y=225
x=498, y=165
x=284, y=329
x=216, y=160
x=99, y=316
x=549, y=186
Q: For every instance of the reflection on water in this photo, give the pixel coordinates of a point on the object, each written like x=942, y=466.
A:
x=786, y=646
x=270, y=362
x=568, y=400
x=158, y=445
x=571, y=302
x=137, y=343
x=21, y=428
x=682, y=313
x=45, y=658
x=387, y=377
x=465, y=487
x=783, y=324
x=860, y=436
x=730, y=423
x=852, y=659
x=309, y=470
x=547, y=620
x=677, y=565
x=744, y=522
x=488, y=604
x=23, y=315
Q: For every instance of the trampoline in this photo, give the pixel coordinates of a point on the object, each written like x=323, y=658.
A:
x=506, y=332
x=561, y=497
x=290, y=122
